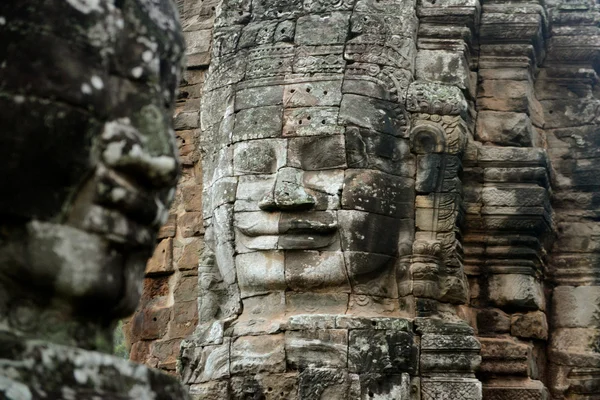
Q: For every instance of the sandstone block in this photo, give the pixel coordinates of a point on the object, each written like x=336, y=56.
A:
x=256, y=354
x=317, y=152
x=258, y=123
x=258, y=96
x=370, y=150
x=260, y=273
x=506, y=357
x=531, y=325
x=310, y=303
x=378, y=351
x=322, y=29
x=151, y=322
x=311, y=121
x=371, y=275
x=191, y=198
x=445, y=67
x=358, y=232
x=313, y=93
x=369, y=113
x=263, y=156
x=574, y=347
x=514, y=290
x=317, y=349
x=452, y=388
x=251, y=190
x=191, y=224
x=365, y=305
x=271, y=386
x=214, y=390
x=377, y=192
x=571, y=307
x=162, y=259
x=327, y=384
x=316, y=271
x=493, y=321
x=187, y=120
x=505, y=128
x=386, y=386
x=203, y=364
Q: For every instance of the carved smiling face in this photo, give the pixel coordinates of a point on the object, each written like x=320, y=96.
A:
x=305, y=202
x=89, y=157
x=309, y=177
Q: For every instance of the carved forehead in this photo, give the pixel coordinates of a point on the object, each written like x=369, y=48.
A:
x=69, y=67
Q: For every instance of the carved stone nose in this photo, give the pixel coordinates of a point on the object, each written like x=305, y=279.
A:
x=288, y=193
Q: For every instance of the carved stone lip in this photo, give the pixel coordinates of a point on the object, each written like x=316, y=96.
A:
x=292, y=227
x=306, y=241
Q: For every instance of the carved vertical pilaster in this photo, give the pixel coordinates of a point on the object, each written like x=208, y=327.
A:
x=509, y=218
x=568, y=91
x=441, y=103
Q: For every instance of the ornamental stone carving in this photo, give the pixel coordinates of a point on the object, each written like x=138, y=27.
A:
x=332, y=206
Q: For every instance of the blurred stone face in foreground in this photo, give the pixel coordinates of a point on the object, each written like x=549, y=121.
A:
x=88, y=171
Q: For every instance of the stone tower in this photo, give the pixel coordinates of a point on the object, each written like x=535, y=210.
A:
x=399, y=200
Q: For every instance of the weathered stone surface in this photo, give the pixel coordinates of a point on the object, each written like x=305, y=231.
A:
x=203, y=364
x=255, y=354
x=327, y=348
x=88, y=176
x=379, y=351
x=493, y=321
x=317, y=152
x=377, y=115
x=506, y=357
x=379, y=193
x=320, y=271
x=571, y=307
x=430, y=160
x=505, y=128
x=509, y=290
x=75, y=373
x=443, y=67
x=531, y=325
x=271, y=386
x=162, y=259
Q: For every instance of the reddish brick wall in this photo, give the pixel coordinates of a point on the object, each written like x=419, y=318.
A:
x=168, y=310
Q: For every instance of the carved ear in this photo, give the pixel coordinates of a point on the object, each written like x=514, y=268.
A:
x=427, y=138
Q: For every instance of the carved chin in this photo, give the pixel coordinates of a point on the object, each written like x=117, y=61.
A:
x=82, y=265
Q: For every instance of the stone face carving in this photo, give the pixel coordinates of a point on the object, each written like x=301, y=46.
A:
x=88, y=171
x=383, y=175
x=333, y=206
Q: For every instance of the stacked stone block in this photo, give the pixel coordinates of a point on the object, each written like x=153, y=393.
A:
x=168, y=311
x=463, y=130
x=511, y=221
x=568, y=92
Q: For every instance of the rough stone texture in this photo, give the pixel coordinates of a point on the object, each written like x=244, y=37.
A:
x=88, y=173
x=31, y=369
x=315, y=142
x=183, y=235
x=429, y=163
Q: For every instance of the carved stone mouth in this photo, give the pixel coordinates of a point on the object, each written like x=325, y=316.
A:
x=302, y=226
x=306, y=241
x=293, y=227
x=286, y=233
